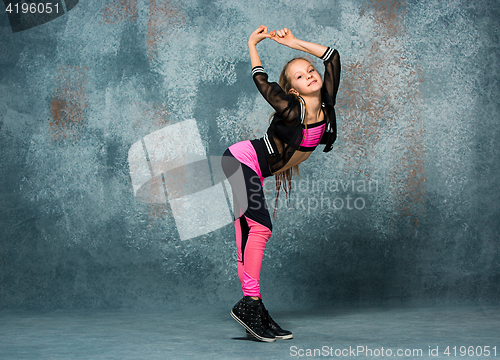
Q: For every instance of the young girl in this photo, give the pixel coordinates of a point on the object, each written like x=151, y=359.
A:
x=304, y=117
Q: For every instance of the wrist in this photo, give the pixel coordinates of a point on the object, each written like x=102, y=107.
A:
x=253, y=42
x=294, y=44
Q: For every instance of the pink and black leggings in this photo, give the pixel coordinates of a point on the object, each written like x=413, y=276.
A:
x=252, y=221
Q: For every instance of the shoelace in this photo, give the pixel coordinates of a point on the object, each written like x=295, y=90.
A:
x=264, y=315
x=270, y=321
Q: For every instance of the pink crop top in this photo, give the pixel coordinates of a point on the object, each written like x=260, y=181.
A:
x=312, y=137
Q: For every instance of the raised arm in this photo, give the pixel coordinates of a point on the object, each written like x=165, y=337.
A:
x=256, y=37
x=272, y=92
x=285, y=37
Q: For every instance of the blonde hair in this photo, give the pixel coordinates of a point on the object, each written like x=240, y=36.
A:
x=283, y=179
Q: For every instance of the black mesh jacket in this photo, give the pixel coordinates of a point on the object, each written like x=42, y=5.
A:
x=284, y=135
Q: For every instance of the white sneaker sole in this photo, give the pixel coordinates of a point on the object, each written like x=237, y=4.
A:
x=286, y=337
x=250, y=330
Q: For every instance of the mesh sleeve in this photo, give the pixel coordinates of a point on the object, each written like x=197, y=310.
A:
x=281, y=102
x=331, y=60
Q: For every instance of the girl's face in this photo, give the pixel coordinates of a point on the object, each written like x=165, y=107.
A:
x=304, y=78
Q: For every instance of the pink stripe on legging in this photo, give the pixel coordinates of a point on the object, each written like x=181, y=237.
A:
x=250, y=263
x=245, y=153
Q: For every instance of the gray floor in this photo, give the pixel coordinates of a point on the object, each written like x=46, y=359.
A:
x=215, y=335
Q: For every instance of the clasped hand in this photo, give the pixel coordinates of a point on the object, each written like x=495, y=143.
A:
x=283, y=36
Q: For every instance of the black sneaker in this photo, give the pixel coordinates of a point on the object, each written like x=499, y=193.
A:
x=279, y=333
x=250, y=314
x=275, y=328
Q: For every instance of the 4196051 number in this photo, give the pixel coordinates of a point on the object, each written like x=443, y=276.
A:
x=32, y=8
x=476, y=351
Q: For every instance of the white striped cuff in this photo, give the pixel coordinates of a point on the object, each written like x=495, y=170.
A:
x=258, y=69
x=327, y=54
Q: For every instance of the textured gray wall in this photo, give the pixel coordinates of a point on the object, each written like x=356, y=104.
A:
x=418, y=116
